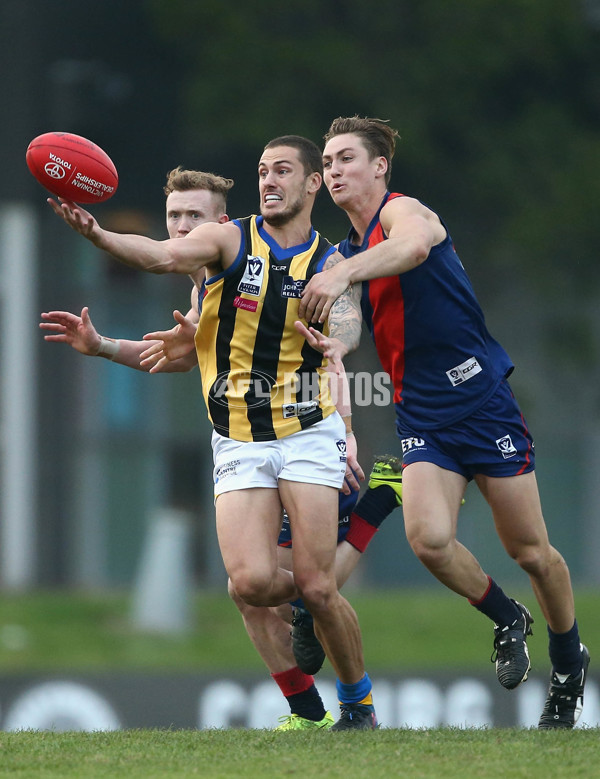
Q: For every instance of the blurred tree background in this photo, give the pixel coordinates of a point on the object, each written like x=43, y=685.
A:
x=498, y=108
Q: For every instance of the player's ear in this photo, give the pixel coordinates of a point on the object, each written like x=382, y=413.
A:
x=223, y=218
x=314, y=182
x=382, y=167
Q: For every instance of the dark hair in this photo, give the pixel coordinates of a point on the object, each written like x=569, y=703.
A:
x=309, y=153
x=378, y=138
x=181, y=180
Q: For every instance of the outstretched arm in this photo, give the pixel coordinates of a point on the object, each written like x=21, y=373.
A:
x=208, y=245
x=67, y=328
x=81, y=335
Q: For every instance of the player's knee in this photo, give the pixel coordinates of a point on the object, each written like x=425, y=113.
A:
x=432, y=552
x=536, y=560
x=317, y=592
x=251, y=587
x=231, y=590
x=233, y=594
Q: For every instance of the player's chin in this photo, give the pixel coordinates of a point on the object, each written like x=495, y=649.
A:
x=339, y=196
x=275, y=218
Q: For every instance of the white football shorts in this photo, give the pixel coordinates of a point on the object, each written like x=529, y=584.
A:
x=316, y=455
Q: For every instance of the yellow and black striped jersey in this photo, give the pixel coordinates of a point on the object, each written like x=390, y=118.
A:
x=260, y=379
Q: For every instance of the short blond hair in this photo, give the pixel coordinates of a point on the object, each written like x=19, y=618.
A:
x=181, y=180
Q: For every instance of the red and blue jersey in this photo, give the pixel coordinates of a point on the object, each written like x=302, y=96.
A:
x=430, y=335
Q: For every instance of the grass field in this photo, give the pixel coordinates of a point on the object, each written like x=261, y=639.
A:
x=259, y=754
x=405, y=630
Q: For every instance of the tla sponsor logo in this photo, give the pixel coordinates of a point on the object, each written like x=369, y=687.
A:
x=466, y=370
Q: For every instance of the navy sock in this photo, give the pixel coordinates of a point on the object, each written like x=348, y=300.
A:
x=565, y=651
x=376, y=504
x=497, y=606
x=300, y=692
x=307, y=704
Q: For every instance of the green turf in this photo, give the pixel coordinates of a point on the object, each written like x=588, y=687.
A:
x=258, y=754
x=401, y=630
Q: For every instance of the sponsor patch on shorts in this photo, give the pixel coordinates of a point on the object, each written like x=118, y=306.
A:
x=412, y=443
x=227, y=469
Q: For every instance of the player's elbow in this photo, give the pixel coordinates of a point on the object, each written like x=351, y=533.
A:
x=170, y=262
x=152, y=263
x=173, y=260
x=420, y=250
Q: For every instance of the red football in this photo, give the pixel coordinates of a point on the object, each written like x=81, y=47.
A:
x=72, y=167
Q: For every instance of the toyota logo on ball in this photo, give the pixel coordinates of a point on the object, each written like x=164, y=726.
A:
x=54, y=170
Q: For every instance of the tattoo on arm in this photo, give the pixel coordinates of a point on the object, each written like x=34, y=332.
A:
x=345, y=318
x=332, y=260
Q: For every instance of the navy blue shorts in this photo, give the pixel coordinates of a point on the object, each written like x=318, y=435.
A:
x=494, y=441
x=347, y=504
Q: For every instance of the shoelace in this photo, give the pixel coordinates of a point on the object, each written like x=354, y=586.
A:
x=506, y=644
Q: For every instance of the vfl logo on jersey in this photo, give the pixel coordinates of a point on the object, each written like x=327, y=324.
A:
x=464, y=371
x=412, y=443
x=506, y=446
x=341, y=445
x=292, y=288
x=252, y=279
